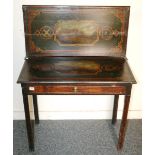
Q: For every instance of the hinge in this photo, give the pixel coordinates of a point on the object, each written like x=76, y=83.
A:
x=124, y=57
x=26, y=58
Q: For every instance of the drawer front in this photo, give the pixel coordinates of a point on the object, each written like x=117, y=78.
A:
x=77, y=89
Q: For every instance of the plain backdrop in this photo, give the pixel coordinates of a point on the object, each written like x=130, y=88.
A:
x=145, y=76
x=145, y=79
x=80, y=107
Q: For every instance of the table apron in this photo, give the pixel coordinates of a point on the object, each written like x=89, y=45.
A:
x=77, y=90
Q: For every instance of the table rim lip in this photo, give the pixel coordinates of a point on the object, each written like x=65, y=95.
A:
x=75, y=82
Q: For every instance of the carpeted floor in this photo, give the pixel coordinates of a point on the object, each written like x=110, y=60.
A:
x=78, y=137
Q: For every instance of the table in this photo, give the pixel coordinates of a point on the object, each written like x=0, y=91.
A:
x=34, y=84
x=76, y=50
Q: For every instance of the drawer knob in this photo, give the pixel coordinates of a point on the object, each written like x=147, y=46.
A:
x=75, y=89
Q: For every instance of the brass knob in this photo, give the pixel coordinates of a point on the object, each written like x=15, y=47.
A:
x=75, y=89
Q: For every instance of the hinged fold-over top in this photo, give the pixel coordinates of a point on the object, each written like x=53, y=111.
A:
x=76, y=30
x=76, y=44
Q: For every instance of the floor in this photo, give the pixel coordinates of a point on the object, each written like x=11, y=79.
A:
x=78, y=137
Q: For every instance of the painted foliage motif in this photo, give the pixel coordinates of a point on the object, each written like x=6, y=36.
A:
x=76, y=67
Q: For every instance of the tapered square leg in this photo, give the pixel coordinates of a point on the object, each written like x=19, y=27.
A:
x=114, y=117
x=30, y=132
x=35, y=105
x=123, y=123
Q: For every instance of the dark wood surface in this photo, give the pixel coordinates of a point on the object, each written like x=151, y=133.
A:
x=76, y=90
x=125, y=76
x=124, y=122
x=29, y=122
x=35, y=105
x=114, y=116
x=76, y=30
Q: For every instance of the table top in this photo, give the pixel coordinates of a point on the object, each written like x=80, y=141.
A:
x=75, y=30
x=84, y=70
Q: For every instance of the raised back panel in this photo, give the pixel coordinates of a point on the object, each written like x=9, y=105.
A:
x=76, y=30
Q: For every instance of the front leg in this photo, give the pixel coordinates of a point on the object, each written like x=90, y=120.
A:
x=114, y=117
x=35, y=105
x=123, y=123
x=30, y=133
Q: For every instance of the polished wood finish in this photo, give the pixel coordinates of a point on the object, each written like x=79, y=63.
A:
x=76, y=66
x=76, y=50
x=124, y=77
x=29, y=125
x=114, y=117
x=123, y=126
x=76, y=30
x=75, y=89
x=35, y=105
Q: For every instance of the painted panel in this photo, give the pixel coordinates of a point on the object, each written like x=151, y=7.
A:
x=78, y=30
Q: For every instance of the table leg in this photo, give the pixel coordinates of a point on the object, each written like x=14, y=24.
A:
x=114, y=117
x=29, y=126
x=35, y=105
x=123, y=123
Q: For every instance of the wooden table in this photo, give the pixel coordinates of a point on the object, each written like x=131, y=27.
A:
x=34, y=84
x=76, y=50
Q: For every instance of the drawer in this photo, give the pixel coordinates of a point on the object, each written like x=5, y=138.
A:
x=77, y=89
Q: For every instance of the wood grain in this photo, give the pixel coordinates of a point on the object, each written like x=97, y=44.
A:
x=75, y=89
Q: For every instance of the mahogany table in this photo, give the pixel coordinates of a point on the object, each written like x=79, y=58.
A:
x=75, y=50
x=41, y=85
